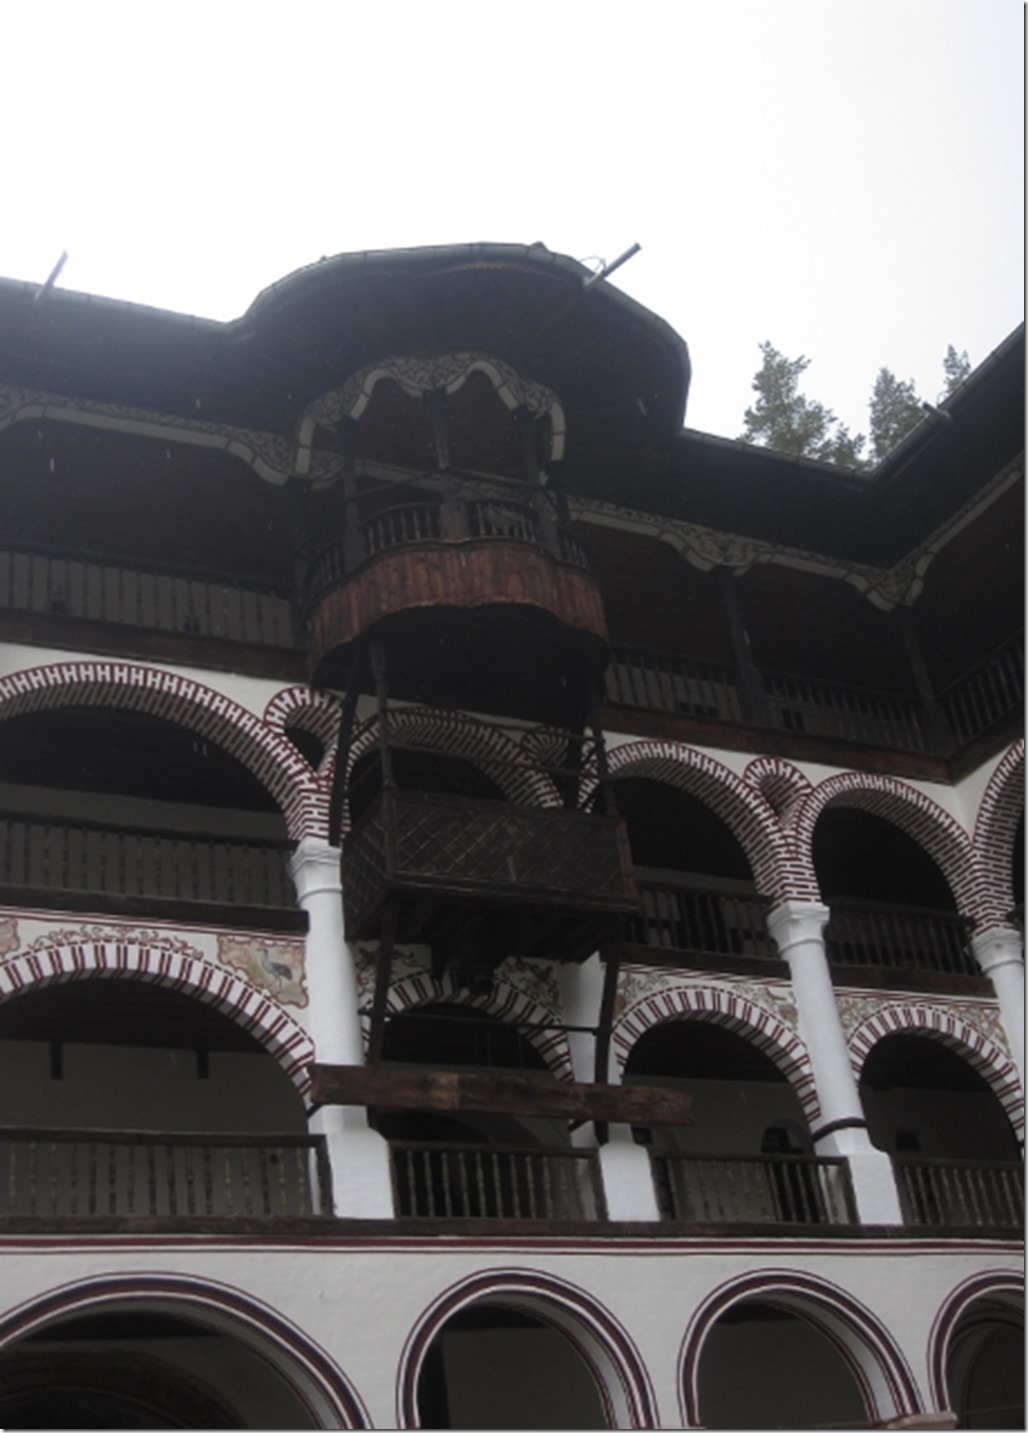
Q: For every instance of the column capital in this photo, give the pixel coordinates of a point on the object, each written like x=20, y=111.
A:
x=1001, y=945
x=314, y=867
x=793, y=923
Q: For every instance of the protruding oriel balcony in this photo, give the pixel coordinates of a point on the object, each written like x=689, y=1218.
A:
x=484, y=603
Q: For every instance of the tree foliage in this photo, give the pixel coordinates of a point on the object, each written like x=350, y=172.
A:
x=785, y=419
x=956, y=367
x=894, y=410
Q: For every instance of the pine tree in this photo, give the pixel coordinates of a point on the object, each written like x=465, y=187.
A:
x=895, y=409
x=785, y=419
x=956, y=366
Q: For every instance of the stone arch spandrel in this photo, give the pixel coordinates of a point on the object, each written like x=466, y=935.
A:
x=994, y=1066
x=875, y=1359
x=96, y=952
x=161, y=693
x=602, y=1341
x=313, y=1376
x=903, y=806
x=744, y=810
x=768, y=1030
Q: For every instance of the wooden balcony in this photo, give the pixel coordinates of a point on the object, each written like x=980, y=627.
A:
x=773, y=1189
x=490, y=1181
x=487, y=574
x=967, y=1194
x=134, y=1174
x=99, y=866
x=563, y=873
x=676, y=925
x=900, y=946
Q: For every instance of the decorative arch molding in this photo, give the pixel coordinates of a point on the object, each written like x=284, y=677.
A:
x=312, y=1375
x=601, y=1341
x=95, y=952
x=309, y=710
x=496, y=755
x=735, y=1012
x=928, y=824
x=159, y=692
x=743, y=809
x=782, y=785
x=522, y=991
x=445, y=373
x=1000, y=810
x=874, y=1358
x=998, y=1286
x=941, y=1024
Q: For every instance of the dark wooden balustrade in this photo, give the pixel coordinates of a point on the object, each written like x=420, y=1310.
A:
x=784, y=1189
x=100, y=589
x=455, y=520
x=667, y=682
x=82, y=1173
x=986, y=695
x=898, y=938
x=48, y=860
x=488, y=1181
x=828, y=709
x=980, y=1194
x=681, y=919
x=444, y=848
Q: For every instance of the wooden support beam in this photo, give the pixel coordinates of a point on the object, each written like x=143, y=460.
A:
x=383, y=971
x=507, y=1092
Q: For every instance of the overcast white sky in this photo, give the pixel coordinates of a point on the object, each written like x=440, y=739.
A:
x=842, y=177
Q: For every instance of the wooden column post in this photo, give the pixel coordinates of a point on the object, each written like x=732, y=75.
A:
x=755, y=705
x=936, y=729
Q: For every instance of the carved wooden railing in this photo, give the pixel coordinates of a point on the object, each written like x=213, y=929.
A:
x=96, y=858
x=422, y=843
x=82, y=1173
x=101, y=589
x=898, y=938
x=753, y=1189
x=489, y=1181
x=677, y=918
x=981, y=1194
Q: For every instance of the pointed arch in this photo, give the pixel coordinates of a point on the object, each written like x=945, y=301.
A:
x=199, y=708
x=736, y=1013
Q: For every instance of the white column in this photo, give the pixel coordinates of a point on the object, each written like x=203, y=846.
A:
x=359, y=1157
x=624, y=1165
x=796, y=928
x=999, y=952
